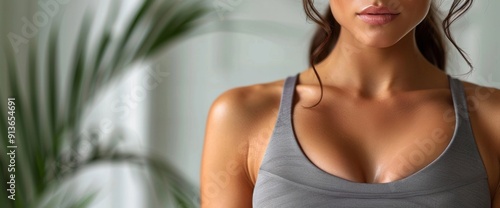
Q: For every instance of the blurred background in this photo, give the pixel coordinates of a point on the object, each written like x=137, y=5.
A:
x=112, y=95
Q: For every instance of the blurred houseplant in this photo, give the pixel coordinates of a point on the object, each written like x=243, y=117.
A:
x=48, y=122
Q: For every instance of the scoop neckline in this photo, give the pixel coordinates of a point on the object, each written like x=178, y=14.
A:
x=355, y=184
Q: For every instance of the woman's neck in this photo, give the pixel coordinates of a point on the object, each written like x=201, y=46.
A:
x=375, y=71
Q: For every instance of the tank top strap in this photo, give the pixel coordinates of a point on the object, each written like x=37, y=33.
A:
x=286, y=104
x=466, y=141
x=459, y=99
x=282, y=146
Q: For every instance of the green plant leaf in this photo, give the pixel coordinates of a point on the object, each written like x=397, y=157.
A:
x=177, y=25
x=52, y=83
x=77, y=72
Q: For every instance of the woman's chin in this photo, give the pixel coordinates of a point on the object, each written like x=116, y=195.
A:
x=381, y=40
x=379, y=43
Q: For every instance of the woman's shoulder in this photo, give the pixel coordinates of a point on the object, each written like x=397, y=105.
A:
x=246, y=108
x=234, y=122
x=483, y=99
x=484, y=106
x=250, y=96
x=237, y=120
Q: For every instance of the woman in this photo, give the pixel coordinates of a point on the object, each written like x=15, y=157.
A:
x=376, y=121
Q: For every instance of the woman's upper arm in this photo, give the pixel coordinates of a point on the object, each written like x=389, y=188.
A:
x=224, y=173
x=492, y=115
x=496, y=126
x=496, y=200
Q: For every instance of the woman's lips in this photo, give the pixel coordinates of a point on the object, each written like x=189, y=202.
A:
x=377, y=19
x=377, y=15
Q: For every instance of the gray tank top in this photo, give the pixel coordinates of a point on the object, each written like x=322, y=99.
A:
x=287, y=178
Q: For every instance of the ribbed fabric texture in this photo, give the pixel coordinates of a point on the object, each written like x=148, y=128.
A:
x=287, y=178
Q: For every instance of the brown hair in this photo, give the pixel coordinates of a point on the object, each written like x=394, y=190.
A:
x=430, y=40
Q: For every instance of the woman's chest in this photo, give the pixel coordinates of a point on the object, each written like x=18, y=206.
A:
x=374, y=143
